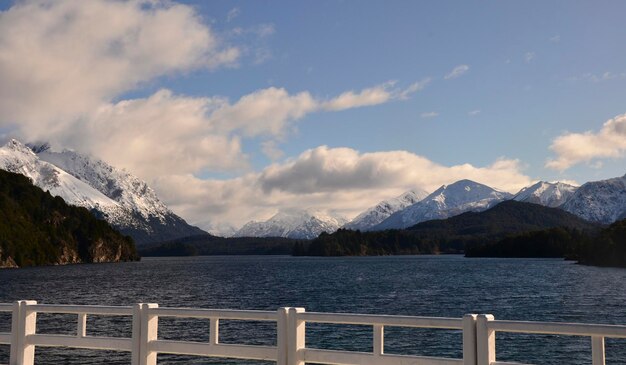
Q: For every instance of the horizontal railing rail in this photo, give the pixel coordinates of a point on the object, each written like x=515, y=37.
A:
x=487, y=327
x=478, y=331
x=213, y=348
x=303, y=354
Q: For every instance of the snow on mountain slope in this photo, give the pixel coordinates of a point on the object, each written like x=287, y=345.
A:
x=300, y=224
x=547, y=194
x=122, y=199
x=126, y=189
x=447, y=201
x=384, y=209
x=601, y=201
x=147, y=218
x=18, y=158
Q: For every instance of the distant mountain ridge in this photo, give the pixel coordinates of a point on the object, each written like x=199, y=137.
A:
x=296, y=224
x=547, y=194
x=601, y=201
x=381, y=211
x=447, y=201
x=450, y=235
x=120, y=198
x=507, y=217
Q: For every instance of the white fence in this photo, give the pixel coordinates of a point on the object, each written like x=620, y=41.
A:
x=478, y=335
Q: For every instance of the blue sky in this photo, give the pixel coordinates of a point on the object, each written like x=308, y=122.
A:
x=527, y=65
x=532, y=78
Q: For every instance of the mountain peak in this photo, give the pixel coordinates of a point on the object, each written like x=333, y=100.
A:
x=381, y=211
x=15, y=145
x=449, y=200
x=601, y=201
x=550, y=194
x=293, y=223
x=122, y=199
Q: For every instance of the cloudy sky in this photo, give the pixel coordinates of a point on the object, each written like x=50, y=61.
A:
x=235, y=110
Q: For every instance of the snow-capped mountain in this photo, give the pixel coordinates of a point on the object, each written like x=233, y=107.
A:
x=381, y=211
x=545, y=193
x=601, y=201
x=447, y=201
x=300, y=224
x=122, y=199
x=18, y=158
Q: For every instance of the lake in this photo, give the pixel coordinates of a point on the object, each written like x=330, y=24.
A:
x=441, y=286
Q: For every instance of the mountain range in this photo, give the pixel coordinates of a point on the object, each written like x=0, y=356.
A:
x=381, y=211
x=112, y=194
x=601, y=202
x=447, y=201
x=297, y=224
x=451, y=235
x=133, y=208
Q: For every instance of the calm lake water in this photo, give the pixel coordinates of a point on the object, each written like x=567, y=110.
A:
x=450, y=286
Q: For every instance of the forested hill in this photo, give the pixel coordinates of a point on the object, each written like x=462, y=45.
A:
x=606, y=247
x=39, y=229
x=207, y=244
x=450, y=235
x=505, y=218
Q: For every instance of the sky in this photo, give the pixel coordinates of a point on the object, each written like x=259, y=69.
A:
x=235, y=110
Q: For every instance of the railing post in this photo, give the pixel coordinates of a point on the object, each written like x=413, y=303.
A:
x=23, y=323
x=136, y=335
x=214, y=331
x=597, y=350
x=81, y=328
x=282, y=341
x=296, y=337
x=486, y=340
x=149, y=331
x=469, y=339
x=379, y=340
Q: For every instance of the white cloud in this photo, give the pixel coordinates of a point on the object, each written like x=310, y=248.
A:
x=606, y=76
x=414, y=87
x=373, y=96
x=555, y=39
x=575, y=148
x=271, y=150
x=456, y=72
x=341, y=179
x=473, y=113
x=232, y=14
x=176, y=134
x=161, y=134
x=529, y=57
x=264, y=112
x=265, y=30
x=67, y=57
x=427, y=115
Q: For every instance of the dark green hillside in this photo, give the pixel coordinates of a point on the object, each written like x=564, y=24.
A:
x=450, y=235
x=206, y=244
x=39, y=229
x=608, y=248
x=505, y=218
x=553, y=242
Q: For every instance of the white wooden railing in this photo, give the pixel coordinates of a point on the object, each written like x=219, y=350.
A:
x=487, y=326
x=290, y=349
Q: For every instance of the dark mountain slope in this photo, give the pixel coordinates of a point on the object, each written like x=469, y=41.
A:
x=39, y=229
x=450, y=235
